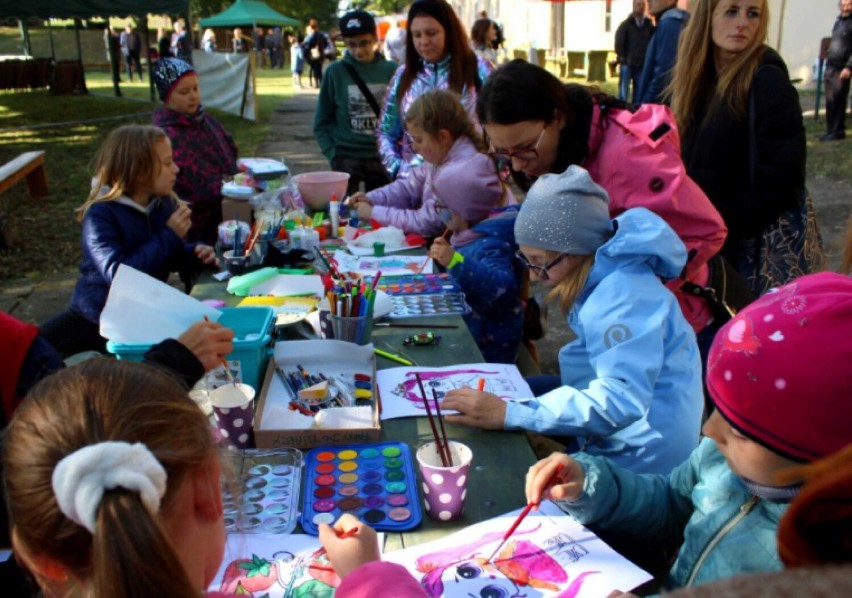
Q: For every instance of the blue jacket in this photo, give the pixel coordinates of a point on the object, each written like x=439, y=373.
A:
x=632, y=377
x=661, y=56
x=121, y=232
x=490, y=277
x=686, y=511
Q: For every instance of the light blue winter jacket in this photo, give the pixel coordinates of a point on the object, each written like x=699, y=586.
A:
x=724, y=530
x=632, y=377
x=394, y=142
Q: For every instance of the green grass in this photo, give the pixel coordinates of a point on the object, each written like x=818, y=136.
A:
x=43, y=235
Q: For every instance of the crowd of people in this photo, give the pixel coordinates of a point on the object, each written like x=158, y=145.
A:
x=673, y=233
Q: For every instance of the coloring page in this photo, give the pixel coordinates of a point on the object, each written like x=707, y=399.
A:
x=401, y=395
x=389, y=265
x=549, y=555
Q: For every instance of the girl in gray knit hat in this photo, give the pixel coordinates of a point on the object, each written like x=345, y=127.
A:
x=630, y=384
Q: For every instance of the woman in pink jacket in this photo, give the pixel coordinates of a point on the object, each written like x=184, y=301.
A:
x=538, y=125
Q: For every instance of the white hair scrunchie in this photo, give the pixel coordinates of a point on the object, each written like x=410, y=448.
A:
x=79, y=479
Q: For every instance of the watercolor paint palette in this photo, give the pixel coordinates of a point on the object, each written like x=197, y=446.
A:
x=269, y=481
x=375, y=482
x=418, y=284
x=411, y=306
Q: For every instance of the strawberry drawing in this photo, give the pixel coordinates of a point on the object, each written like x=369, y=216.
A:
x=246, y=576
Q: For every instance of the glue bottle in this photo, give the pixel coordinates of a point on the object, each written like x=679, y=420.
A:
x=334, y=214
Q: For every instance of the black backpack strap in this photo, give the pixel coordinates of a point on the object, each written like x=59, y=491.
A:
x=363, y=87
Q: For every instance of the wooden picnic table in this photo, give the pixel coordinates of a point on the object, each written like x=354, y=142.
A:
x=500, y=458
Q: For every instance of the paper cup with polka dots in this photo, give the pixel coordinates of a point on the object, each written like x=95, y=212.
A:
x=233, y=408
x=444, y=488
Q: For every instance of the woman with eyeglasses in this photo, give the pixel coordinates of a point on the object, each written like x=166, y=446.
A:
x=348, y=105
x=535, y=125
x=630, y=383
x=437, y=56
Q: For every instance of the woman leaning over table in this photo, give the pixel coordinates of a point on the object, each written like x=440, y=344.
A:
x=724, y=66
x=437, y=56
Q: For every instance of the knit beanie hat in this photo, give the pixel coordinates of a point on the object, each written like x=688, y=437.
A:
x=567, y=212
x=168, y=72
x=778, y=370
x=470, y=188
x=357, y=22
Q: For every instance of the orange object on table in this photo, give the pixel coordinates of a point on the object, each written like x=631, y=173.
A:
x=323, y=233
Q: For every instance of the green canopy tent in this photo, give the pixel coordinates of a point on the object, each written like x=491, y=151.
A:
x=243, y=13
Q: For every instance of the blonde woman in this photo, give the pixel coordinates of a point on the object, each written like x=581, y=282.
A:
x=751, y=167
x=208, y=42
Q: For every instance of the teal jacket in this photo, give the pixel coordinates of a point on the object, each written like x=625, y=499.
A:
x=702, y=510
x=344, y=123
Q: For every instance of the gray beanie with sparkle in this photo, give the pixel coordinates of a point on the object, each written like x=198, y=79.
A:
x=567, y=213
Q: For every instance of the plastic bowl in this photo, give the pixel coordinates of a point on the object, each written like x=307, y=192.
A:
x=316, y=188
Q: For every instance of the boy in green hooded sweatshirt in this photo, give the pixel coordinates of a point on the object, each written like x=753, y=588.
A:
x=350, y=101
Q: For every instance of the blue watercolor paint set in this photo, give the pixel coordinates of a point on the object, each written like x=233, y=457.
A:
x=375, y=482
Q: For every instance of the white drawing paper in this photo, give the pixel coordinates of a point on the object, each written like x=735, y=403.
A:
x=389, y=265
x=549, y=555
x=401, y=395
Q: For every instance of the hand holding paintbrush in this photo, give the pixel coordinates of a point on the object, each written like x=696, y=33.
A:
x=349, y=544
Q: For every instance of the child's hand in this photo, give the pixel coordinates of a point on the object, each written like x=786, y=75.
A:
x=364, y=210
x=209, y=342
x=206, y=254
x=441, y=251
x=180, y=220
x=476, y=408
x=568, y=484
x=347, y=554
x=356, y=198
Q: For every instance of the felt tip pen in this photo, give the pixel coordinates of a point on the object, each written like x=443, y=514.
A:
x=347, y=534
x=392, y=357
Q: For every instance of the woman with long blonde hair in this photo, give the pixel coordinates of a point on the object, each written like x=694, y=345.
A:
x=740, y=121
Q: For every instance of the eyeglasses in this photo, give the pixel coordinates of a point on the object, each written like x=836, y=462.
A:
x=364, y=43
x=525, y=154
x=540, y=271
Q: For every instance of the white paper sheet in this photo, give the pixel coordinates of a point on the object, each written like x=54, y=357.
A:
x=549, y=555
x=389, y=265
x=142, y=310
x=329, y=357
x=401, y=394
x=276, y=565
x=289, y=284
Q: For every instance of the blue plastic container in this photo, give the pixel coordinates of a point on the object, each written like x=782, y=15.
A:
x=252, y=328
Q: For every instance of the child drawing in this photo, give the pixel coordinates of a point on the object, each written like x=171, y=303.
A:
x=444, y=381
x=521, y=569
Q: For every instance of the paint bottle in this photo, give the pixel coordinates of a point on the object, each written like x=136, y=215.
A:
x=334, y=214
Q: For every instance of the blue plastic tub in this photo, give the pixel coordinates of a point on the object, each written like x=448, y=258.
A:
x=252, y=328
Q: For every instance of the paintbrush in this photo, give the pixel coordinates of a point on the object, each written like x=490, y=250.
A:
x=523, y=514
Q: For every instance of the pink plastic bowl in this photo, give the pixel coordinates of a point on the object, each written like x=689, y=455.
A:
x=316, y=188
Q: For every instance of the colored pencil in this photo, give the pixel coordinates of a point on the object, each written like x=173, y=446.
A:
x=348, y=533
x=481, y=385
x=524, y=513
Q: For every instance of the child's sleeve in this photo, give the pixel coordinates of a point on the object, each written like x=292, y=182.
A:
x=324, y=115
x=404, y=193
x=390, y=129
x=380, y=579
x=489, y=275
x=103, y=241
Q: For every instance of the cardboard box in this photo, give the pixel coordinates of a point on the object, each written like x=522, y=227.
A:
x=276, y=426
x=236, y=209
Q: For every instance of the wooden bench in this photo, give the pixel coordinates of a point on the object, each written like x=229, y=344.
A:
x=29, y=165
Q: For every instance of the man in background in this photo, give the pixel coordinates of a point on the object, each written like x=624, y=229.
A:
x=131, y=49
x=662, y=50
x=631, y=44
x=838, y=72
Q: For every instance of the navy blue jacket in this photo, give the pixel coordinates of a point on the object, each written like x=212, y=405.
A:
x=661, y=55
x=490, y=277
x=115, y=233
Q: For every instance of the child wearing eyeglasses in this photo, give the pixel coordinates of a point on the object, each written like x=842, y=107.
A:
x=443, y=134
x=348, y=107
x=480, y=254
x=630, y=383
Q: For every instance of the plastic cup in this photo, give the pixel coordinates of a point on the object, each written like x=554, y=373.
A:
x=235, y=264
x=354, y=330
x=233, y=408
x=444, y=488
x=378, y=249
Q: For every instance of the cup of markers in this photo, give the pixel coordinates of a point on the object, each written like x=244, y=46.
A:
x=350, y=311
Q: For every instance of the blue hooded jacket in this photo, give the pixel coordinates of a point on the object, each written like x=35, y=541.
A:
x=490, y=277
x=661, y=56
x=632, y=377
